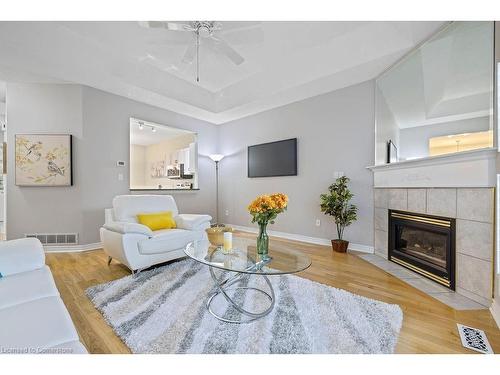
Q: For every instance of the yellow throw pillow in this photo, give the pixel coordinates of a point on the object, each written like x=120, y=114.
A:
x=157, y=220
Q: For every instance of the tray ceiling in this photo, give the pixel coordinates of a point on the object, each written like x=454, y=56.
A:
x=284, y=61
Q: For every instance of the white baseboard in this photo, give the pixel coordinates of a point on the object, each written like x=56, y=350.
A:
x=308, y=239
x=495, y=311
x=72, y=248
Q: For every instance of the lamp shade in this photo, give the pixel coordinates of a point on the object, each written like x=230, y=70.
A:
x=216, y=157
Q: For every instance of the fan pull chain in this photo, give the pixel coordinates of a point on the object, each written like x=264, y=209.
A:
x=197, y=56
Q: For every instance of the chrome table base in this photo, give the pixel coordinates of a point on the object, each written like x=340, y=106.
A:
x=224, y=286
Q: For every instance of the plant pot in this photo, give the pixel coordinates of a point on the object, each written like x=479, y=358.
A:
x=340, y=246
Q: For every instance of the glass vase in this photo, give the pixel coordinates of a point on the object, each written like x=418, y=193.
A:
x=263, y=240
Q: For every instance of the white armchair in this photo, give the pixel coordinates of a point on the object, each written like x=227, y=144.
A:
x=137, y=246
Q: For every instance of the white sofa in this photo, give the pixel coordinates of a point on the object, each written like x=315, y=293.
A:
x=33, y=318
x=137, y=246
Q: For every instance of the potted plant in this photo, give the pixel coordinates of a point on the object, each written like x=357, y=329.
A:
x=336, y=203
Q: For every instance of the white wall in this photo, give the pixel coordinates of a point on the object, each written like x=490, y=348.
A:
x=496, y=297
x=138, y=165
x=335, y=133
x=100, y=124
x=386, y=128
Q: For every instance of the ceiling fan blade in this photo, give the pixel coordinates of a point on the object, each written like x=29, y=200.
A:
x=222, y=46
x=189, y=54
x=173, y=26
x=177, y=26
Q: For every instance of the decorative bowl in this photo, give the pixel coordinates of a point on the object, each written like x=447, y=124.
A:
x=216, y=235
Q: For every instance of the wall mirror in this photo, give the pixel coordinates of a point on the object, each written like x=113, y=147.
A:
x=162, y=157
x=439, y=98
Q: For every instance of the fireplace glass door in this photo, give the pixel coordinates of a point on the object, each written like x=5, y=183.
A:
x=424, y=244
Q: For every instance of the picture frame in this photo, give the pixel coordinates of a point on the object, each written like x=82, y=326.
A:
x=392, y=152
x=43, y=160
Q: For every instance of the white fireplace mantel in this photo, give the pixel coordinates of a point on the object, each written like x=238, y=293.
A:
x=475, y=168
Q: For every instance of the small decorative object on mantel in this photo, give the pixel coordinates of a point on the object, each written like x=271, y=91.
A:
x=392, y=152
x=43, y=160
x=336, y=203
x=264, y=209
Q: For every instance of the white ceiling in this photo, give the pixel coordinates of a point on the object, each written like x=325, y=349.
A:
x=448, y=78
x=284, y=61
x=146, y=136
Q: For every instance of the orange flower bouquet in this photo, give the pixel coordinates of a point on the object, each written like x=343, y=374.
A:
x=264, y=210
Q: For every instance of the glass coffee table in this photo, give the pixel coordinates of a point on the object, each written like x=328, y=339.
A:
x=244, y=260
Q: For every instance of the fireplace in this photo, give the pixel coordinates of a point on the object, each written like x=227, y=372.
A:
x=424, y=244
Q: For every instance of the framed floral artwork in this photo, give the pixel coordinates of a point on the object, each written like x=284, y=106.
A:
x=43, y=160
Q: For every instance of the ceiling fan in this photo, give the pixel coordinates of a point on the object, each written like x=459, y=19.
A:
x=204, y=30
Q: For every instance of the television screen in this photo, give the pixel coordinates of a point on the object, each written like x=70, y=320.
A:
x=273, y=159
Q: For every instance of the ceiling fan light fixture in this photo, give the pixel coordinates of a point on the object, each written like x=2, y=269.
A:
x=202, y=29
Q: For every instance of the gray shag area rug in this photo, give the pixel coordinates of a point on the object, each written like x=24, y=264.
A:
x=163, y=311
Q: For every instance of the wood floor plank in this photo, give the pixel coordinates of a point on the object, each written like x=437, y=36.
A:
x=429, y=326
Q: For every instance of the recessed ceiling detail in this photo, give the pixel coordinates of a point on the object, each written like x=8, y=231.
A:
x=283, y=62
x=449, y=78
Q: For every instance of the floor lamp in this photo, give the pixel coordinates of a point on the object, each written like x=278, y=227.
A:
x=216, y=158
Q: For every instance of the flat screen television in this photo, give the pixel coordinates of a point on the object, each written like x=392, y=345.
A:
x=273, y=159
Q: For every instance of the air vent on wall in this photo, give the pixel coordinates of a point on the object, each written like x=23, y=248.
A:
x=54, y=239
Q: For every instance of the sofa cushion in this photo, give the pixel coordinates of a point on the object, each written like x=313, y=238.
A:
x=38, y=324
x=166, y=240
x=127, y=207
x=123, y=227
x=21, y=255
x=27, y=286
x=157, y=220
x=193, y=222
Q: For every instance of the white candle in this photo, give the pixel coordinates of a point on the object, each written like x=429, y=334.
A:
x=228, y=241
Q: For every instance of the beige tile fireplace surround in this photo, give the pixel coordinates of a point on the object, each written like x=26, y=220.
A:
x=458, y=186
x=473, y=209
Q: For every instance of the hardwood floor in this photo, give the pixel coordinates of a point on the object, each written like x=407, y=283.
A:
x=429, y=326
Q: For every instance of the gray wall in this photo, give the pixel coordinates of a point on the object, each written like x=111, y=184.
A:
x=99, y=123
x=50, y=109
x=335, y=133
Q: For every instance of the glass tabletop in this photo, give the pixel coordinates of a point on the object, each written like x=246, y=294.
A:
x=244, y=258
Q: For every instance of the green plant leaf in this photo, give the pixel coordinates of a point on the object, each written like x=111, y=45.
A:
x=336, y=204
